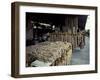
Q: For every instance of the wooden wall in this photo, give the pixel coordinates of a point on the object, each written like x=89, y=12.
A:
x=71, y=24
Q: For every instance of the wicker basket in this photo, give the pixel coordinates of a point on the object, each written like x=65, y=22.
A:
x=77, y=40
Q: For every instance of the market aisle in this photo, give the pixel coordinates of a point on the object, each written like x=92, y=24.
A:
x=81, y=56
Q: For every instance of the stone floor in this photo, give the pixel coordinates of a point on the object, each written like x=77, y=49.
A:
x=81, y=56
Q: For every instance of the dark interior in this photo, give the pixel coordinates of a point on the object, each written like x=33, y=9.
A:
x=42, y=23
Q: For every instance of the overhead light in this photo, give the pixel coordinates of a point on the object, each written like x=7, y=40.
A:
x=34, y=27
x=53, y=26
